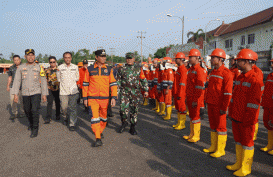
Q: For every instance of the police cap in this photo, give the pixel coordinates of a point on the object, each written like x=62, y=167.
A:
x=28, y=51
x=100, y=52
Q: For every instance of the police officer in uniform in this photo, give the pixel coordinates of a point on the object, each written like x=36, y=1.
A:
x=29, y=75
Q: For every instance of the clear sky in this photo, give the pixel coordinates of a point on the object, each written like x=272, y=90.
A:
x=56, y=26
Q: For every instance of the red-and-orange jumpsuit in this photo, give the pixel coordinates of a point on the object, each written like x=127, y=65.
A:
x=219, y=93
x=160, y=86
x=203, y=92
x=180, y=91
x=96, y=85
x=235, y=73
x=267, y=103
x=155, y=81
x=167, y=81
x=151, y=84
x=146, y=73
x=244, y=106
x=194, y=90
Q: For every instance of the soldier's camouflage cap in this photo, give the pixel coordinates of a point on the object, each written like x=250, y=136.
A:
x=129, y=55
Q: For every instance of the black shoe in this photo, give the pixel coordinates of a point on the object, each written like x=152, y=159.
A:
x=58, y=118
x=123, y=126
x=47, y=121
x=98, y=143
x=34, y=132
x=101, y=135
x=65, y=122
x=133, y=130
x=72, y=128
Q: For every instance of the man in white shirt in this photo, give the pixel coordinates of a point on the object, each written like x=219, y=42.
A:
x=68, y=75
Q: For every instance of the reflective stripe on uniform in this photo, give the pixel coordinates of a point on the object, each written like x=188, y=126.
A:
x=247, y=84
x=85, y=84
x=237, y=82
x=248, y=148
x=262, y=88
x=178, y=73
x=165, y=85
x=221, y=133
x=269, y=81
x=103, y=119
x=216, y=76
x=200, y=87
x=251, y=105
x=113, y=83
x=194, y=72
x=95, y=120
x=227, y=93
x=182, y=84
x=195, y=121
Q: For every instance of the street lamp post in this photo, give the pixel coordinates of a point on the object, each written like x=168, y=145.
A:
x=182, y=19
x=204, y=46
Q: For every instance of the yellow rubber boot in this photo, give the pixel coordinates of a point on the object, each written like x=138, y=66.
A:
x=247, y=160
x=270, y=152
x=196, y=133
x=156, y=105
x=191, y=132
x=173, y=106
x=181, y=122
x=169, y=113
x=187, y=111
x=256, y=131
x=221, y=145
x=270, y=141
x=213, y=141
x=238, y=163
x=162, y=109
x=178, y=117
x=145, y=102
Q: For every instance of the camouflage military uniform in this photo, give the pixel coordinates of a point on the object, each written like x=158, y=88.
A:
x=130, y=79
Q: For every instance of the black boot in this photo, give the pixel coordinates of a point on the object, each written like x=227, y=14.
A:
x=98, y=143
x=123, y=126
x=34, y=132
x=133, y=130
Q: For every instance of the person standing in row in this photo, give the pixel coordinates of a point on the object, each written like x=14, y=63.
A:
x=82, y=71
x=180, y=91
x=53, y=89
x=218, y=97
x=68, y=75
x=15, y=112
x=267, y=103
x=243, y=109
x=29, y=76
x=194, y=90
x=130, y=80
x=162, y=105
x=155, y=80
x=98, y=79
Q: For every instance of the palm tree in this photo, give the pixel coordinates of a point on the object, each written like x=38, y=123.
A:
x=197, y=35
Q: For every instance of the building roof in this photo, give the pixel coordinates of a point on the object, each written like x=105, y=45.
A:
x=253, y=20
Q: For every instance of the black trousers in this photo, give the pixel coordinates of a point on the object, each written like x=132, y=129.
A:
x=31, y=108
x=53, y=96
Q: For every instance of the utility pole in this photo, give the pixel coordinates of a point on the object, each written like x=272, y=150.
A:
x=182, y=32
x=112, y=51
x=141, y=44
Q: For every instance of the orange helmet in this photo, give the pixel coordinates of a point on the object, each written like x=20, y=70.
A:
x=255, y=56
x=218, y=53
x=194, y=53
x=80, y=64
x=167, y=59
x=186, y=58
x=143, y=63
x=156, y=60
x=247, y=54
x=180, y=55
x=150, y=62
x=271, y=60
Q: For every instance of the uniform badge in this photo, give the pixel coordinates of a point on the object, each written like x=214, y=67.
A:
x=171, y=72
x=106, y=71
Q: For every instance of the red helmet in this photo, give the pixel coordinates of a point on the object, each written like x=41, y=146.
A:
x=271, y=60
x=180, y=55
x=246, y=54
x=218, y=53
x=194, y=53
x=156, y=60
x=255, y=56
x=167, y=59
x=143, y=63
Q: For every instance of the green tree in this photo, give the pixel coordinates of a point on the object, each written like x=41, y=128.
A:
x=198, y=34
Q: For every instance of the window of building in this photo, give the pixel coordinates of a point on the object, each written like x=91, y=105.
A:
x=212, y=45
x=243, y=40
x=251, y=38
x=228, y=43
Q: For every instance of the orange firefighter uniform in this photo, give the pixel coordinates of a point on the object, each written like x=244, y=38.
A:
x=218, y=97
x=167, y=84
x=267, y=103
x=160, y=90
x=194, y=90
x=96, y=85
x=243, y=109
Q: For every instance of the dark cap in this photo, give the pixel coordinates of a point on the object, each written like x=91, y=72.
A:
x=129, y=55
x=100, y=52
x=85, y=61
x=27, y=51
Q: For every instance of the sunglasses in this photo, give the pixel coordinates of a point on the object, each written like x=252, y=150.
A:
x=52, y=62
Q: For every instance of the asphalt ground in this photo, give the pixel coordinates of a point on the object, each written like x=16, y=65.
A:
x=157, y=150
